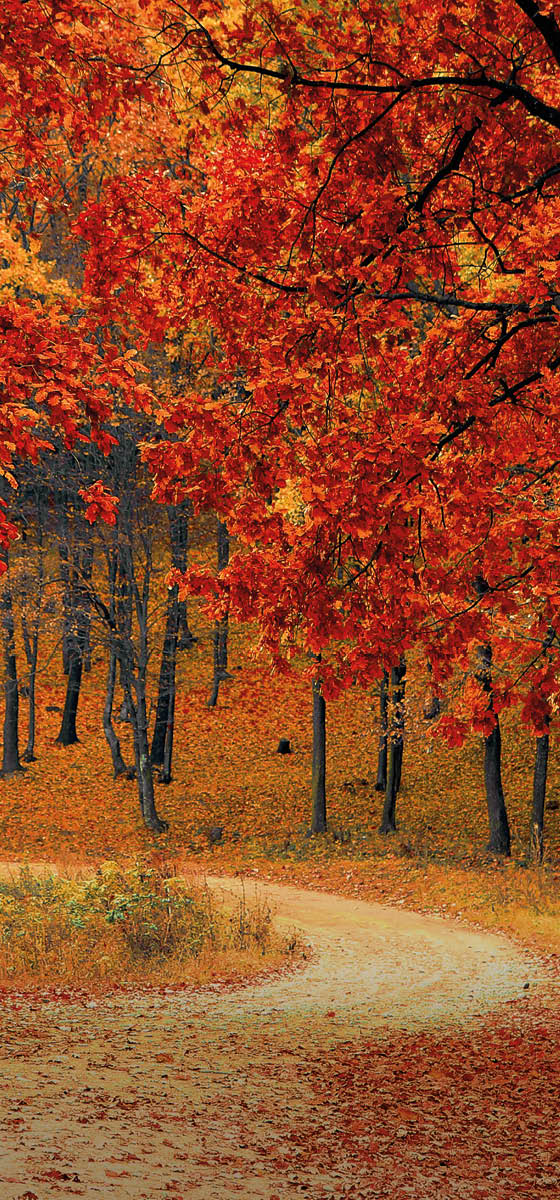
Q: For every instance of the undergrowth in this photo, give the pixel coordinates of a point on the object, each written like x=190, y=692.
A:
x=135, y=922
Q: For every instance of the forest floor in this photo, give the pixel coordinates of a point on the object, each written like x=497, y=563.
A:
x=413, y=1057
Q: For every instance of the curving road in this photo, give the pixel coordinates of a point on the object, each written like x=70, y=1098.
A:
x=205, y=1097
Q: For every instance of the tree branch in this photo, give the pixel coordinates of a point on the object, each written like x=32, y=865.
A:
x=546, y=25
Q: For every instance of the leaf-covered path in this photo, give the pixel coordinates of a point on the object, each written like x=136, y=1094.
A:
x=407, y=1060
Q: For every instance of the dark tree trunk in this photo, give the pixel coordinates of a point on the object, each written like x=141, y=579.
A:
x=168, y=748
x=221, y=627
x=86, y=572
x=124, y=711
x=77, y=641
x=30, y=626
x=500, y=841
x=66, y=603
x=539, y=797
x=119, y=765
x=144, y=772
x=68, y=733
x=319, y=761
x=395, y=749
x=134, y=667
x=381, y=781
x=166, y=686
x=179, y=534
x=432, y=706
x=31, y=645
x=10, y=757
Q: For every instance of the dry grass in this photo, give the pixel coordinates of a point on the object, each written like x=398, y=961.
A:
x=140, y=923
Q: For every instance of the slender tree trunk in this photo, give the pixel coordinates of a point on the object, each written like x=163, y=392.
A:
x=145, y=775
x=86, y=572
x=499, y=842
x=539, y=797
x=10, y=757
x=119, y=765
x=432, y=706
x=30, y=626
x=168, y=748
x=221, y=627
x=68, y=735
x=77, y=642
x=166, y=685
x=319, y=761
x=66, y=602
x=31, y=645
x=381, y=781
x=396, y=747
x=134, y=670
x=179, y=535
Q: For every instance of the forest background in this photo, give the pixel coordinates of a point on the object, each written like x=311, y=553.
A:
x=280, y=443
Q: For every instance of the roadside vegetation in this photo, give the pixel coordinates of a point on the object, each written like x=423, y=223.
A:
x=136, y=924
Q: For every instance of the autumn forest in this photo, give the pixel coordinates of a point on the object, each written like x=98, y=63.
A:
x=279, y=598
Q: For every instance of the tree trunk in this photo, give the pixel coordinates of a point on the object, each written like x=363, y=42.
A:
x=31, y=644
x=86, y=572
x=499, y=842
x=119, y=765
x=77, y=641
x=168, y=748
x=66, y=605
x=318, y=769
x=221, y=627
x=396, y=747
x=10, y=757
x=68, y=734
x=432, y=706
x=539, y=797
x=166, y=685
x=179, y=536
x=30, y=627
x=145, y=775
x=381, y=781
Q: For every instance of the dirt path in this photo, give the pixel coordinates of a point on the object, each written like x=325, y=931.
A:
x=208, y=1096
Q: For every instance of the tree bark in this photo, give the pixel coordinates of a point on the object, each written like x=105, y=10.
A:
x=166, y=685
x=32, y=595
x=395, y=748
x=169, y=732
x=381, y=781
x=31, y=646
x=179, y=537
x=68, y=735
x=221, y=627
x=319, y=761
x=66, y=606
x=144, y=772
x=500, y=841
x=134, y=667
x=77, y=641
x=10, y=756
x=539, y=796
x=119, y=765
x=432, y=706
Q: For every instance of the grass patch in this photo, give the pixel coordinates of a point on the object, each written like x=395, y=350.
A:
x=130, y=924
